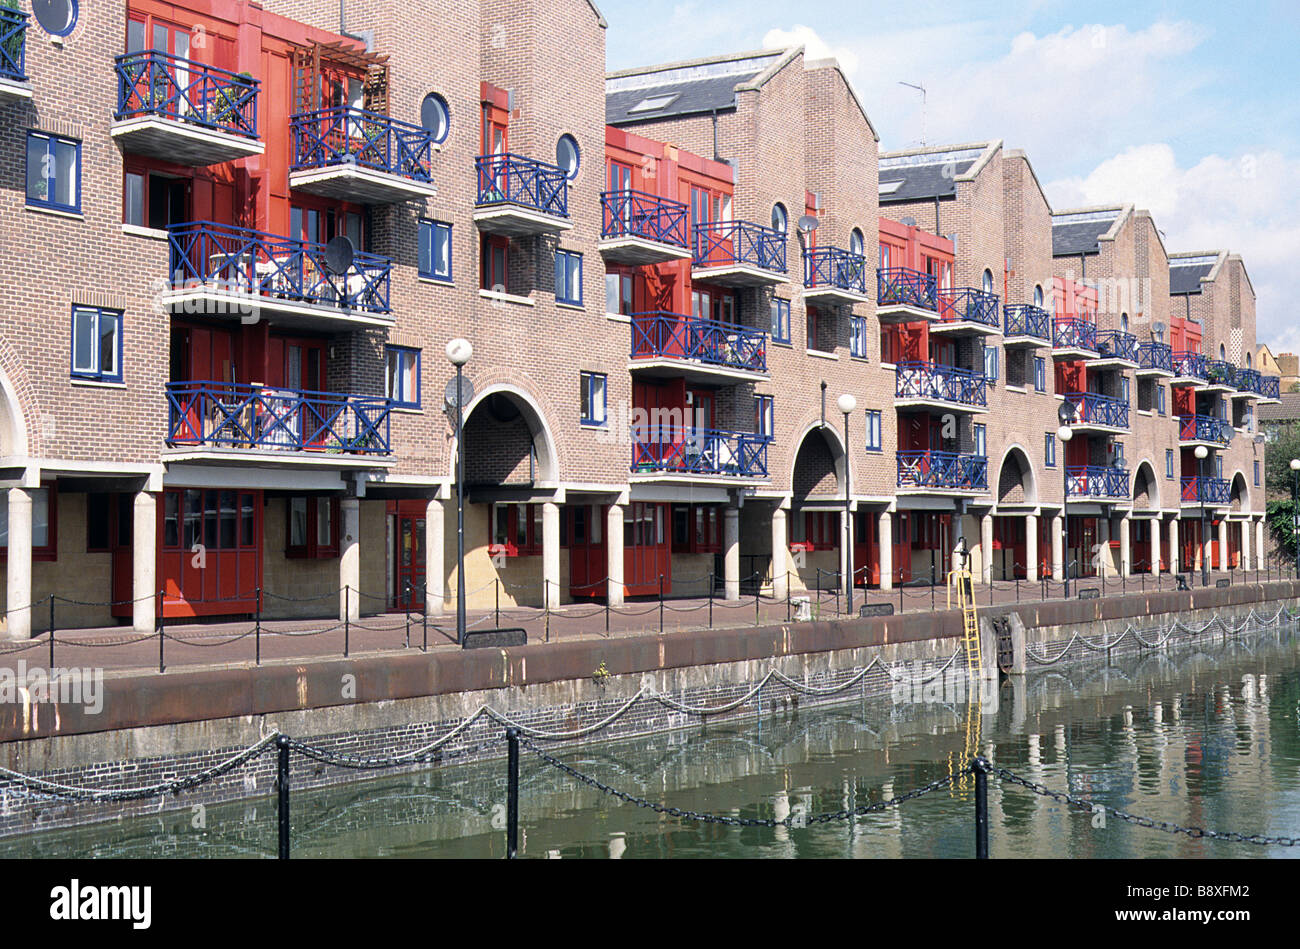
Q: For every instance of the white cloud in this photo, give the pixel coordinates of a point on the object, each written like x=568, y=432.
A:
x=814, y=46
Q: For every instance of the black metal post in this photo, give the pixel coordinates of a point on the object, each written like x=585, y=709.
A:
x=787, y=597
x=496, y=587
x=981, y=768
x=1065, y=519
x=1295, y=512
x=710, y=599
x=51, y=635
x=512, y=793
x=1200, y=486
x=757, y=591
x=932, y=584
x=347, y=618
x=847, y=533
x=257, y=629
x=162, y=629
x=661, y=603
x=460, y=509
x=282, y=792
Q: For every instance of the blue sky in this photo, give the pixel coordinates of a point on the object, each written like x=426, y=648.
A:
x=1188, y=109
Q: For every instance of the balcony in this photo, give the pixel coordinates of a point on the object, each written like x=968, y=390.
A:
x=638, y=229
x=834, y=276
x=1099, y=413
x=1220, y=376
x=926, y=385
x=930, y=472
x=1189, y=369
x=520, y=197
x=1270, y=390
x=1204, y=430
x=223, y=271
x=679, y=346
x=359, y=156
x=254, y=424
x=1074, y=338
x=1246, y=382
x=1155, y=360
x=1115, y=350
x=1026, y=325
x=184, y=112
x=739, y=254
x=964, y=311
x=904, y=295
x=1207, y=491
x=1098, y=483
x=13, y=54
x=684, y=453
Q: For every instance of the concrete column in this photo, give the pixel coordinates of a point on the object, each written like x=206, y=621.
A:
x=1259, y=544
x=1154, y=567
x=1125, y=548
x=350, y=559
x=435, y=554
x=731, y=553
x=1173, y=545
x=986, y=547
x=1058, y=548
x=614, y=554
x=1245, y=545
x=1101, y=558
x=780, y=553
x=1223, y=545
x=886, y=533
x=19, y=565
x=551, y=554
x=144, y=562
x=1031, y=548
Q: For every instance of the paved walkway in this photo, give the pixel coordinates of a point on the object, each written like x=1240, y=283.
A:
x=119, y=650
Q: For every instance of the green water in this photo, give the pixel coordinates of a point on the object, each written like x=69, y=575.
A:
x=1206, y=736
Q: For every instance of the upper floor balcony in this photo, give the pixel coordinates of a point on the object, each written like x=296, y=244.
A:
x=637, y=229
x=1270, y=390
x=1100, y=413
x=1189, y=369
x=1115, y=350
x=680, y=346
x=834, y=276
x=739, y=254
x=1074, y=338
x=940, y=388
x=1246, y=383
x=1155, y=359
x=1206, y=491
x=904, y=295
x=669, y=453
x=229, y=423
x=1220, y=376
x=13, y=54
x=359, y=156
x=1204, y=430
x=520, y=197
x=238, y=273
x=928, y=472
x=1097, y=483
x=964, y=311
x=1024, y=324
x=184, y=112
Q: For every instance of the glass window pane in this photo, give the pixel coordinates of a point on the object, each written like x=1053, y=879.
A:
x=41, y=517
x=246, y=521
x=324, y=523
x=598, y=398
x=229, y=520
x=37, y=150
x=65, y=174
x=426, y=248
x=171, y=520
x=193, y=519
x=297, y=522
x=108, y=328
x=83, y=341
x=442, y=250
x=133, y=211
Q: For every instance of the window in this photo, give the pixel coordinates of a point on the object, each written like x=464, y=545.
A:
x=1049, y=450
x=435, y=117
x=1124, y=391
x=1123, y=322
x=764, y=416
x=516, y=530
x=495, y=275
x=1040, y=374
x=815, y=530
x=1160, y=399
x=987, y=281
x=981, y=440
x=403, y=376
x=56, y=17
x=568, y=156
x=1257, y=474
x=1117, y=453
x=1218, y=466
x=568, y=277
x=858, y=342
x=991, y=363
x=313, y=532
x=155, y=201
x=873, y=430
x=1169, y=463
x=44, y=543
x=435, y=250
x=1223, y=352
x=820, y=329
x=1038, y=295
x=857, y=244
x=53, y=172
x=780, y=320
x=593, y=396
x=96, y=344
x=696, y=529
x=618, y=292
x=780, y=219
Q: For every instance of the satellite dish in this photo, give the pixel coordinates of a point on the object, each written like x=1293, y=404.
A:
x=56, y=17
x=339, y=255
x=807, y=224
x=459, y=398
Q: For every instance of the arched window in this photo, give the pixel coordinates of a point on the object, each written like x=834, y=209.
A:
x=1038, y=295
x=1123, y=322
x=856, y=242
x=435, y=117
x=1223, y=352
x=568, y=156
x=1247, y=360
x=780, y=219
x=988, y=280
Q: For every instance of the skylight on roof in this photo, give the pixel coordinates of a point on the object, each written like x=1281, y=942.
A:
x=889, y=187
x=654, y=103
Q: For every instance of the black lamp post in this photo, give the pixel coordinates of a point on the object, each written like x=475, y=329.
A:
x=459, y=352
x=847, y=405
x=1066, y=416
x=1201, y=454
x=1295, y=510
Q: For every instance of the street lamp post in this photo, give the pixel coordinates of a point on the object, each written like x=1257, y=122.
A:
x=1201, y=454
x=459, y=352
x=847, y=405
x=1066, y=416
x=1295, y=511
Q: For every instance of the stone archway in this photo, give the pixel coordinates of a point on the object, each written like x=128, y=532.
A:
x=507, y=440
x=1146, y=489
x=1017, y=483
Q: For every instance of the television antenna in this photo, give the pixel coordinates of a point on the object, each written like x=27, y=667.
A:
x=921, y=89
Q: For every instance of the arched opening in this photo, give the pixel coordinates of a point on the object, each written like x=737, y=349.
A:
x=1239, y=498
x=814, y=524
x=1146, y=489
x=1017, y=488
x=1016, y=484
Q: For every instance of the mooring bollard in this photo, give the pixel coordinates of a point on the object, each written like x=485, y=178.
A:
x=282, y=792
x=512, y=793
x=981, y=768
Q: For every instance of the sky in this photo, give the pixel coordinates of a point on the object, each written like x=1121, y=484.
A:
x=1189, y=110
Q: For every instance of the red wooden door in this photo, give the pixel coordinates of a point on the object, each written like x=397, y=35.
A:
x=902, y=530
x=588, y=557
x=408, y=553
x=866, y=558
x=210, y=556
x=645, y=550
x=120, y=526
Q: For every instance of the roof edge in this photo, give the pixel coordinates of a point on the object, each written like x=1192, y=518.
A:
x=689, y=63
x=600, y=17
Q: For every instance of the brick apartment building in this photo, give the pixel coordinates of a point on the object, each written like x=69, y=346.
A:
x=238, y=236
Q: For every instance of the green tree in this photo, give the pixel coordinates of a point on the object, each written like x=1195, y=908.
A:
x=1280, y=481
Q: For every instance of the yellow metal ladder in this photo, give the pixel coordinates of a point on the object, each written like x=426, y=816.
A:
x=974, y=663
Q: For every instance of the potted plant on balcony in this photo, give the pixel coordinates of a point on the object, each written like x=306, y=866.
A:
x=228, y=100
x=12, y=47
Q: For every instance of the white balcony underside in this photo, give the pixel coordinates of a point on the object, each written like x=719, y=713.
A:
x=513, y=220
x=16, y=89
x=180, y=142
x=939, y=405
x=963, y=328
x=640, y=251
x=270, y=458
x=740, y=275
x=362, y=185
x=1031, y=342
x=693, y=371
x=834, y=296
x=902, y=313
x=213, y=301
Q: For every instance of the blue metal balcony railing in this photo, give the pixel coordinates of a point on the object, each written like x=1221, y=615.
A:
x=1024, y=319
x=923, y=380
x=1155, y=356
x=1074, y=334
x=239, y=260
x=1205, y=428
x=1247, y=380
x=648, y=216
x=1096, y=409
x=1220, y=372
x=1114, y=344
x=964, y=304
x=836, y=268
x=158, y=84
x=13, y=44
x=659, y=334
x=943, y=470
x=1270, y=387
x=259, y=418
x=1190, y=365
x=903, y=286
x=1094, y=481
x=513, y=179
x=346, y=136
x=1206, y=491
x=701, y=451
x=732, y=243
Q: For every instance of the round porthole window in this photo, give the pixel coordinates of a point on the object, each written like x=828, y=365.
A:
x=567, y=155
x=56, y=17
x=435, y=117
